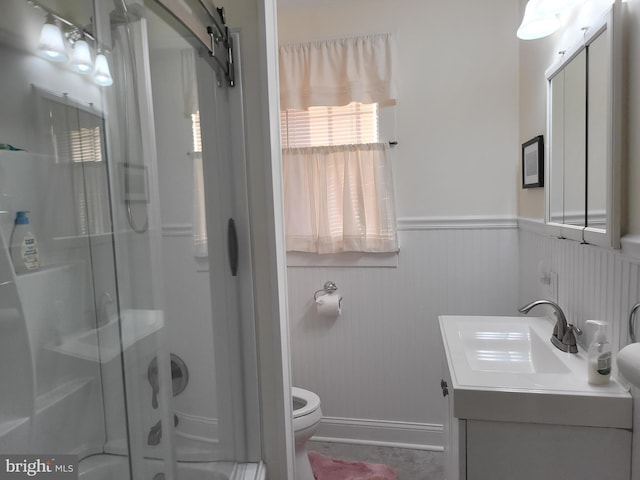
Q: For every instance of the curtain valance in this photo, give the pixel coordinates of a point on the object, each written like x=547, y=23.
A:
x=338, y=72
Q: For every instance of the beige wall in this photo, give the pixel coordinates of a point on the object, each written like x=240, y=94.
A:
x=535, y=57
x=457, y=113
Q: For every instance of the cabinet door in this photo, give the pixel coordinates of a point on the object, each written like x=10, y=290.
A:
x=455, y=467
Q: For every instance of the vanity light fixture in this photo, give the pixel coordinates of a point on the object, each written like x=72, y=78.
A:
x=81, y=59
x=51, y=44
x=556, y=6
x=541, y=17
x=101, y=73
x=535, y=23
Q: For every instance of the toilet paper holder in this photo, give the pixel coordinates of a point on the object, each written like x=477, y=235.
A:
x=329, y=288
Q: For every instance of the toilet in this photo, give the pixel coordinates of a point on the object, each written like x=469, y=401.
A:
x=306, y=417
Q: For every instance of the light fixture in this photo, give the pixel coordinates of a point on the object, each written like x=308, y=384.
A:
x=81, y=58
x=51, y=45
x=535, y=23
x=101, y=73
x=547, y=7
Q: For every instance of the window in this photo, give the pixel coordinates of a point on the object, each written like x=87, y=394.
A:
x=80, y=173
x=86, y=145
x=199, y=217
x=338, y=188
x=195, y=129
x=337, y=180
x=323, y=126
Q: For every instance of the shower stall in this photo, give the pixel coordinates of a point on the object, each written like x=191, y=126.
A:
x=126, y=344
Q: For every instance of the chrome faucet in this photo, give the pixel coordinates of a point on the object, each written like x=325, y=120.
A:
x=564, y=334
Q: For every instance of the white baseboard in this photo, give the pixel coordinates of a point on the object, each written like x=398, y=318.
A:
x=417, y=436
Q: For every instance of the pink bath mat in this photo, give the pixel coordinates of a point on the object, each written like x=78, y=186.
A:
x=325, y=468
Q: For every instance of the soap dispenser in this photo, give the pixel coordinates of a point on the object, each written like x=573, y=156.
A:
x=24, y=246
x=599, y=355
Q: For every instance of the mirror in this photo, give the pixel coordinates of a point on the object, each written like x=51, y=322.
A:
x=583, y=171
x=597, y=128
x=568, y=136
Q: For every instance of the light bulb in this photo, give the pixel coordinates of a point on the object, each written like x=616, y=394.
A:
x=101, y=73
x=51, y=45
x=536, y=24
x=81, y=58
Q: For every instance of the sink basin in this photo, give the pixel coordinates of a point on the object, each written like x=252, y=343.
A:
x=505, y=347
x=505, y=368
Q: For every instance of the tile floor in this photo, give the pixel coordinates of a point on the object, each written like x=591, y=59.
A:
x=409, y=464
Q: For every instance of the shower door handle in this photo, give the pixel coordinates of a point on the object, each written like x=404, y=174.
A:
x=232, y=247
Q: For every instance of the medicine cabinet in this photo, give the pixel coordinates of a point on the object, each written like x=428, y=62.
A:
x=584, y=136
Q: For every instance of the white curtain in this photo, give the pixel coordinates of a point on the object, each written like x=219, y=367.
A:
x=338, y=72
x=339, y=199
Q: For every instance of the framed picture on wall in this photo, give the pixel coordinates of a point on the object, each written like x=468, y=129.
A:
x=533, y=163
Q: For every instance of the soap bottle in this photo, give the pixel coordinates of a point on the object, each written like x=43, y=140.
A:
x=599, y=355
x=24, y=246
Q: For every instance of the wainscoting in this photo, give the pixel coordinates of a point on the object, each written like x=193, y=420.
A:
x=377, y=368
x=592, y=283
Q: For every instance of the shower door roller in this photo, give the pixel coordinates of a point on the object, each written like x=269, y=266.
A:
x=232, y=247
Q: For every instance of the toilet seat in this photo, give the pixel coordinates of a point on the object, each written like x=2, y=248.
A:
x=306, y=419
x=309, y=400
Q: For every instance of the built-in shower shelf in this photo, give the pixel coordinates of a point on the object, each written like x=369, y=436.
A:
x=7, y=425
x=43, y=269
x=106, y=343
x=61, y=392
x=14, y=153
x=77, y=241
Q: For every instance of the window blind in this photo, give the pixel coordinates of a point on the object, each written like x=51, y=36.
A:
x=195, y=129
x=354, y=123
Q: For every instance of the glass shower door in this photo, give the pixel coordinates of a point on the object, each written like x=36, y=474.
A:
x=73, y=327
x=179, y=262
x=201, y=303
x=124, y=347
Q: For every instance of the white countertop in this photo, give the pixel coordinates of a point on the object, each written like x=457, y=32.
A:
x=506, y=369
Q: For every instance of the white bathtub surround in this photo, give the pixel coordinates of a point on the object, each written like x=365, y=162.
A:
x=387, y=339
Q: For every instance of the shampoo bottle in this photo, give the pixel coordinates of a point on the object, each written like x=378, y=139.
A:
x=24, y=246
x=599, y=355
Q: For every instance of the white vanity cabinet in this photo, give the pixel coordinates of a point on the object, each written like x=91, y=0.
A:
x=454, y=434
x=513, y=412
